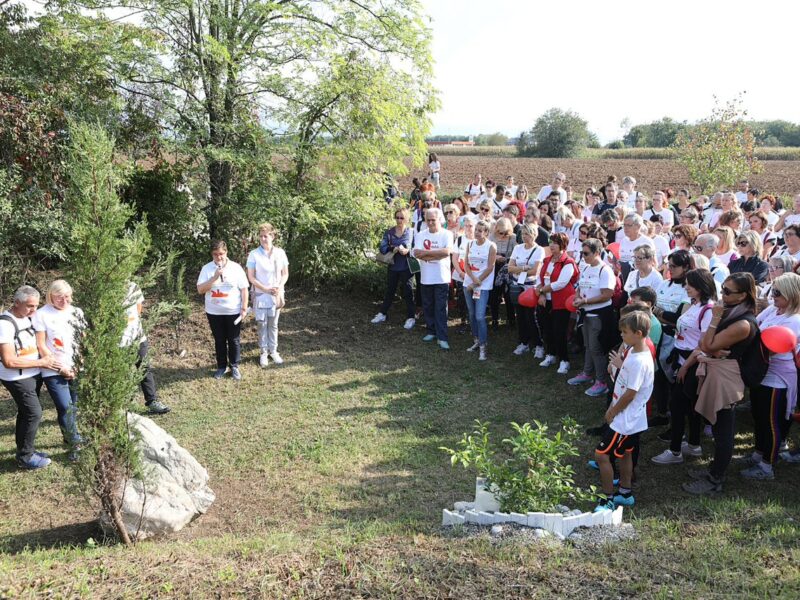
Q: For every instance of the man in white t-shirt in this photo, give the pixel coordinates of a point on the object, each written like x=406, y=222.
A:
x=475, y=189
x=499, y=202
x=660, y=209
x=19, y=373
x=511, y=186
x=556, y=186
x=432, y=249
x=741, y=192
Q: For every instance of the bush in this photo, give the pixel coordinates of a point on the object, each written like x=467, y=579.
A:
x=556, y=134
x=615, y=145
x=534, y=477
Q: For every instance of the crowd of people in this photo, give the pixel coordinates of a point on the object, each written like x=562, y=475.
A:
x=38, y=345
x=664, y=295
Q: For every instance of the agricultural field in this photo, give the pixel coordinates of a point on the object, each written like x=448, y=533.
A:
x=330, y=483
x=780, y=177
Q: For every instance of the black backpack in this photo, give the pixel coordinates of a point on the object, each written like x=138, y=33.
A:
x=754, y=361
x=17, y=331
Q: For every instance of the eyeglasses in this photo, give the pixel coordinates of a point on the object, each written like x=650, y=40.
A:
x=727, y=292
x=583, y=232
x=586, y=253
x=449, y=212
x=640, y=257
x=742, y=243
x=399, y=218
x=775, y=293
x=774, y=268
x=678, y=236
x=698, y=248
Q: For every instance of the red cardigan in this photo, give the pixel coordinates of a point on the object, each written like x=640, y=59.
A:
x=560, y=297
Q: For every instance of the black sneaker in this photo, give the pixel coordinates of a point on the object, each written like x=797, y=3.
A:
x=157, y=408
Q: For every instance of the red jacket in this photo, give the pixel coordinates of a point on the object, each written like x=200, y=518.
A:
x=560, y=297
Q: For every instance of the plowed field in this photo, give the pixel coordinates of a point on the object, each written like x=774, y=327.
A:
x=778, y=177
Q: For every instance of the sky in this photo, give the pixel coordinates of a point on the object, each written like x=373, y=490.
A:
x=500, y=64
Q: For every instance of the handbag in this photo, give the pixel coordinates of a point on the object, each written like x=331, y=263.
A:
x=666, y=365
x=385, y=258
x=413, y=264
x=514, y=291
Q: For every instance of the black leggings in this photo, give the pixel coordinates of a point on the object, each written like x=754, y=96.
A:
x=497, y=294
x=681, y=408
x=555, y=322
x=724, y=430
x=768, y=406
x=528, y=326
x=227, y=347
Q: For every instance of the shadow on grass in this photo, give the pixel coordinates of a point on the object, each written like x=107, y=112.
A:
x=74, y=534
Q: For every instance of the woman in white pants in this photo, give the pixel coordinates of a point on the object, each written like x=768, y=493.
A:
x=268, y=271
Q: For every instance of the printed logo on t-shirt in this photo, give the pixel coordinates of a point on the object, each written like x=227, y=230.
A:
x=427, y=244
x=218, y=294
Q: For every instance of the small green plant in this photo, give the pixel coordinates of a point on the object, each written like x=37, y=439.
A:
x=533, y=475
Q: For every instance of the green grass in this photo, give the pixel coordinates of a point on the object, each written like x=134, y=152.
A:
x=330, y=484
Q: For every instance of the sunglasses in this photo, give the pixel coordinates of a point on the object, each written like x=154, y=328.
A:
x=586, y=253
x=678, y=236
x=742, y=243
x=698, y=248
x=775, y=293
x=728, y=292
x=485, y=209
x=449, y=212
x=399, y=218
x=639, y=257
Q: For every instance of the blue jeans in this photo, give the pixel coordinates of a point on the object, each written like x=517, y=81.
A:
x=434, y=307
x=477, y=314
x=65, y=397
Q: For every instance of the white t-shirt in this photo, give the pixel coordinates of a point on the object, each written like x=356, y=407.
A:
x=662, y=248
x=460, y=249
x=784, y=251
x=513, y=189
x=636, y=280
x=636, y=373
x=59, y=329
x=498, y=206
x=593, y=280
x=478, y=261
x=475, y=191
x=791, y=220
x=691, y=328
x=772, y=218
x=741, y=197
x=224, y=297
x=574, y=245
x=627, y=247
x=434, y=271
x=133, y=330
x=670, y=296
x=666, y=214
x=268, y=266
x=434, y=166
x=28, y=351
x=527, y=257
x=767, y=318
x=547, y=189
x=726, y=257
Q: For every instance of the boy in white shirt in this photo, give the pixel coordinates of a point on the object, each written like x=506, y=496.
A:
x=627, y=415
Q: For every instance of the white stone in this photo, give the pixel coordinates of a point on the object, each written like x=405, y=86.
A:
x=597, y=519
x=519, y=518
x=462, y=506
x=175, y=488
x=496, y=529
x=451, y=518
x=501, y=517
x=541, y=533
x=484, y=499
x=570, y=523
x=471, y=516
x=607, y=515
x=616, y=516
x=536, y=520
x=485, y=518
x=552, y=522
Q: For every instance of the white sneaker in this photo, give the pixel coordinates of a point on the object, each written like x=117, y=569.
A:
x=482, y=353
x=548, y=361
x=521, y=349
x=687, y=450
x=379, y=318
x=667, y=458
x=539, y=352
x=563, y=367
x=264, y=360
x=276, y=358
x=409, y=324
x=475, y=345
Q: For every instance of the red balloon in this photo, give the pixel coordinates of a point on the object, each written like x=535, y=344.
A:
x=614, y=249
x=529, y=298
x=779, y=339
x=570, y=304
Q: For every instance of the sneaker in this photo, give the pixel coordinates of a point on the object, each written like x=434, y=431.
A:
x=697, y=473
x=74, y=455
x=750, y=461
x=579, y=379
x=708, y=432
x=604, y=505
x=548, y=361
x=658, y=421
x=220, y=373
x=237, y=376
x=264, y=360
x=757, y=472
x=379, y=318
x=538, y=352
x=667, y=458
x=429, y=338
x=688, y=450
x=598, y=390
x=620, y=500
x=42, y=454
x=563, y=367
x=666, y=435
x=36, y=461
x=475, y=345
x=703, y=487
x=790, y=457
x=482, y=353
x=521, y=349
x=444, y=345
x=157, y=408
x=784, y=446
x=276, y=358
x=409, y=324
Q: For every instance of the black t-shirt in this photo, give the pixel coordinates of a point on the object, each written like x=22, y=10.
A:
x=599, y=209
x=543, y=238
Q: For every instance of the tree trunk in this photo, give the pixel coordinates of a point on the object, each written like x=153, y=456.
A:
x=108, y=482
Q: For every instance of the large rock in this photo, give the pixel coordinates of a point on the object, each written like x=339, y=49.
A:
x=175, y=489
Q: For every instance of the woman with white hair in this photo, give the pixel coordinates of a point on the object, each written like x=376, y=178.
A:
x=633, y=229
x=749, y=247
x=778, y=265
x=56, y=325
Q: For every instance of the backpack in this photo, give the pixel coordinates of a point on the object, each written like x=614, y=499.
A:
x=754, y=361
x=17, y=331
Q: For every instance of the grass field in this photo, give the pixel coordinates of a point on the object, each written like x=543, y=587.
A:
x=330, y=484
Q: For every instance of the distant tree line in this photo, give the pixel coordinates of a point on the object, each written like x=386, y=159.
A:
x=664, y=132
x=482, y=139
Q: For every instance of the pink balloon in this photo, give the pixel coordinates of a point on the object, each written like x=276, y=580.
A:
x=779, y=339
x=570, y=304
x=614, y=249
x=529, y=298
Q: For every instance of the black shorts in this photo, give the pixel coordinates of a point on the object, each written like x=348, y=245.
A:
x=617, y=443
